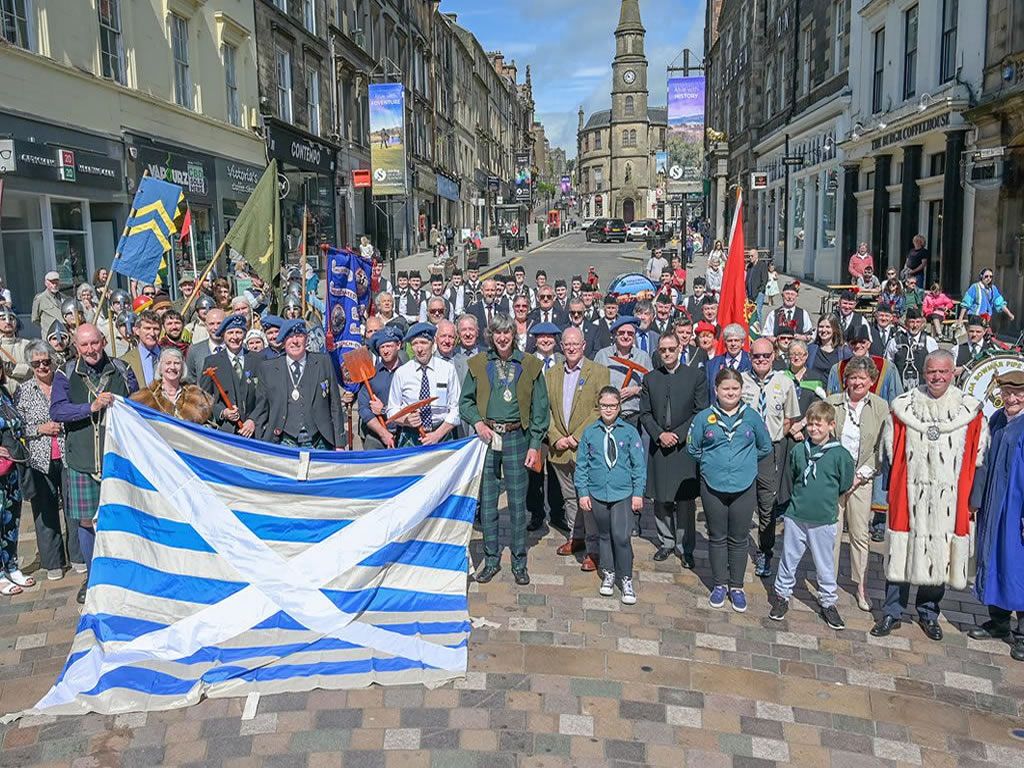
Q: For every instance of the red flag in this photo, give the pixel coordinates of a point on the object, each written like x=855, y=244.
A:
x=186, y=225
x=733, y=298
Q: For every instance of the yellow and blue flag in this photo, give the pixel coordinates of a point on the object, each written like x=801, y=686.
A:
x=158, y=207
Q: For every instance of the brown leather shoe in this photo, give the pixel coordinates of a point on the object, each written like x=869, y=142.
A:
x=571, y=547
x=589, y=563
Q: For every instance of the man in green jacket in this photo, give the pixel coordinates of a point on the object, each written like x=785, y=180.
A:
x=505, y=400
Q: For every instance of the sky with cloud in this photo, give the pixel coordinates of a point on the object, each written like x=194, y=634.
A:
x=569, y=45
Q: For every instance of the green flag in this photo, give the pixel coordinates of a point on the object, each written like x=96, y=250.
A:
x=256, y=233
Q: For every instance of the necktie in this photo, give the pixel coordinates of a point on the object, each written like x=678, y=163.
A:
x=548, y=362
x=488, y=315
x=974, y=350
x=425, y=414
x=296, y=372
x=610, y=450
x=685, y=356
x=643, y=341
x=762, y=399
x=238, y=367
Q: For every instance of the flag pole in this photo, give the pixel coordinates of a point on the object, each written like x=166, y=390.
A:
x=110, y=272
x=303, y=259
x=192, y=246
x=202, y=279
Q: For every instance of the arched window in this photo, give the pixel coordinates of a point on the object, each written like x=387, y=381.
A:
x=625, y=138
x=630, y=105
x=632, y=138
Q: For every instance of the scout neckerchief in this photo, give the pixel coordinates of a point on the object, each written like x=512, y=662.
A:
x=611, y=453
x=812, y=456
x=729, y=429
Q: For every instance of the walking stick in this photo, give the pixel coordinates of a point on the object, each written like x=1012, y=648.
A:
x=212, y=373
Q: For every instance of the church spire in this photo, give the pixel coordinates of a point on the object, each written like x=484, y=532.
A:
x=629, y=17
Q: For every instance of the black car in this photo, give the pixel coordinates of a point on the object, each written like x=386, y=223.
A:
x=606, y=231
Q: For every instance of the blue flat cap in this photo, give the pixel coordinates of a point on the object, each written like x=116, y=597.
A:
x=625, y=320
x=385, y=335
x=271, y=321
x=424, y=330
x=292, y=328
x=548, y=328
x=232, y=321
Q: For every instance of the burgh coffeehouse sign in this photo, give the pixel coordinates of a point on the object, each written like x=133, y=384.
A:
x=912, y=130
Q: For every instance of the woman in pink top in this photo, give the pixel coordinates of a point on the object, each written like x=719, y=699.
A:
x=860, y=259
x=936, y=305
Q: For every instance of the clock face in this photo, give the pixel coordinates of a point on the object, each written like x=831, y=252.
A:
x=629, y=76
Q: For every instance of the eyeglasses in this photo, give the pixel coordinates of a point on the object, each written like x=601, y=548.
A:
x=987, y=276
x=668, y=349
x=436, y=311
x=625, y=333
x=575, y=314
x=607, y=406
x=545, y=296
x=41, y=363
x=760, y=355
x=149, y=293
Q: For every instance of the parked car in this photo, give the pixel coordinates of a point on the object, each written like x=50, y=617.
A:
x=606, y=231
x=639, y=229
x=585, y=223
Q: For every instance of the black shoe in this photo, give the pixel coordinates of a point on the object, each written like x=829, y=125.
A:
x=81, y=592
x=885, y=626
x=832, y=617
x=636, y=529
x=488, y=573
x=1017, y=652
x=688, y=562
x=931, y=629
x=535, y=525
x=521, y=576
x=662, y=554
x=989, y=631
x=779, y=609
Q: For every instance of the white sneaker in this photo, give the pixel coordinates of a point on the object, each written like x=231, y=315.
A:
x=54, y=574
x=607, y=584
x=79, y=567
x=628, y=595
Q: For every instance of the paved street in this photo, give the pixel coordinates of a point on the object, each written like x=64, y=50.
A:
x=561, y=676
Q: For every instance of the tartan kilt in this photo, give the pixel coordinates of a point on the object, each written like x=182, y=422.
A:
x=83, y=495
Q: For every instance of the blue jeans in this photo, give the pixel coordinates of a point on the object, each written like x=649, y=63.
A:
x=897, y=597
x=759, y=301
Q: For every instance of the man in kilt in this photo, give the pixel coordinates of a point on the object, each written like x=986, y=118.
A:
x=505, y=399
x=81, y=394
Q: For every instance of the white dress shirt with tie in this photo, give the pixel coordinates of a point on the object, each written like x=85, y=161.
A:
x=443, y=383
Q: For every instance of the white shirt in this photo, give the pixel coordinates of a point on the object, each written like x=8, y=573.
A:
x=444, y=385
x=922, y=339
x=850, y=438
x=655, y=266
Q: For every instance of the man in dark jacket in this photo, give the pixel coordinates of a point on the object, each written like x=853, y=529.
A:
x=237, y=372
x=757, y=278
x=671, y=395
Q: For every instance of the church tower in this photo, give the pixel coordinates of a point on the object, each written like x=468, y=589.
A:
x=630, y=124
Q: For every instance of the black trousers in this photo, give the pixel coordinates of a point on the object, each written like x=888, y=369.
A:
x=676, y=523
x=1004, y=617
x=56, y=550
x=728, y=517
x=769, y=478
x=536, y=484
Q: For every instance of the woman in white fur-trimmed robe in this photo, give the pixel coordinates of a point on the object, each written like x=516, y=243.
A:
x=936, y=441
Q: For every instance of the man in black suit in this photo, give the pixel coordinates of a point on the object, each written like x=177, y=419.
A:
x=883, y=328
x=546, y=311
x=297, y=397
x=849, y=319
x=196, y=355
x=599, y=333
x=486, y=308
x=670, y=396
x=237, y=372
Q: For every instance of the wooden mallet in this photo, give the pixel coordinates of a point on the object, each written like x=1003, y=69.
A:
x=212, y=373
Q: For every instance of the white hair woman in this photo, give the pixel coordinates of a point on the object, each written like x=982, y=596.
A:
x=168, y=394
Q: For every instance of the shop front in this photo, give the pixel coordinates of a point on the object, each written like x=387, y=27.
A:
x=306, y=166
x=424, y=203
x=195, y=172
x=62, y=206
x=448, y=194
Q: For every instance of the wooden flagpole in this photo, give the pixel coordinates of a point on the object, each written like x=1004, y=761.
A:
x=117, y=255
x=303, y=260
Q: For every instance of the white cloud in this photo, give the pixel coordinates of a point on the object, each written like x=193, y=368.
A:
x=591, y=72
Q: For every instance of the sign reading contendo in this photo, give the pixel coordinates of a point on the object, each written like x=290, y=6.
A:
x=294, y=150
x=387, y=138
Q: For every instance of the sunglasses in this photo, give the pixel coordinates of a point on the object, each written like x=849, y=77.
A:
x=761, y=356
x=436, y=311
x=575, y=314
x=40, y=363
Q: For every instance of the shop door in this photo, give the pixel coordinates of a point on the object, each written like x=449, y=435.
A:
x=936, y=263
x=628, y=210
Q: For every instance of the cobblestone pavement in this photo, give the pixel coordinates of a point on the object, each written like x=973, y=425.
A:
x=570, y=678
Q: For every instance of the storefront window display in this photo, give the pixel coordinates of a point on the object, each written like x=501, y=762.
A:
x=22, y=252
x=799, y=202
x=828, y=215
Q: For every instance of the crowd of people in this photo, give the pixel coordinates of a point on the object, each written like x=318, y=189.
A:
x=850, y=421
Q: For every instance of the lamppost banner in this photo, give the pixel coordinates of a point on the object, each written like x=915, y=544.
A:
x=523, y=179
x=686, y=123
x=387, y=138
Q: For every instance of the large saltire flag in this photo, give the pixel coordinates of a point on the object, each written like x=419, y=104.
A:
x=156, y=212
x=225, y=566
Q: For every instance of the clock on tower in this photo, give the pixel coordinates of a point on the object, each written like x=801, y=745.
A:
x=629, y=77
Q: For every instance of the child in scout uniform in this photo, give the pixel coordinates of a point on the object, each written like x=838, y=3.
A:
x=611, y=475
x=822, y=471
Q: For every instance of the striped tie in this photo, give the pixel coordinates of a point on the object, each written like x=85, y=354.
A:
x=425, y=411
x=762, y=399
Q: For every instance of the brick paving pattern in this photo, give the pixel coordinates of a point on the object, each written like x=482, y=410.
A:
x=572, y=678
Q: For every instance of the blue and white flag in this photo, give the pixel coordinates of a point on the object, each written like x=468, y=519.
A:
x=348, y=296
x=225, y=566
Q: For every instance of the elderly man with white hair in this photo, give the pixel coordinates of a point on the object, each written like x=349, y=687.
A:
x=735, y=336
x=937, y=439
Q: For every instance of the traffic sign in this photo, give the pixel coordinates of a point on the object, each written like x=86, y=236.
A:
x=675, y=172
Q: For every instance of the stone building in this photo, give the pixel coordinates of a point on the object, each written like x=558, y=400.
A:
x=997, y=183
x=617, y=146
